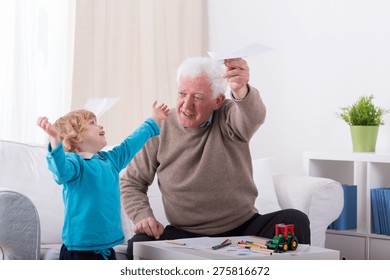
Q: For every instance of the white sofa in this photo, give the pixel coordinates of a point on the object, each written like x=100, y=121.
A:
x=31, y=207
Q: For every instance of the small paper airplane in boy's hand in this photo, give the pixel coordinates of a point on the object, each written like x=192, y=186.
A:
x=100, y=105
x=250, y=50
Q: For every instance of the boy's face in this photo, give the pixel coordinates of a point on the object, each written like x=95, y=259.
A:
x=94, y=138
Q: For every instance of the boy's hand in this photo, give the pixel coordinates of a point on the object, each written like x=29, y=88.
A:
x=43, y=122
x=160, y=112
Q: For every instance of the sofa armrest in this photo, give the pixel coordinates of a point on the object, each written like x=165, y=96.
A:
x=20, y=230
x=321, y=199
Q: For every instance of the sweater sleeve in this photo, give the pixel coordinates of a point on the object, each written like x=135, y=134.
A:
x=64, y=168
x=244, y=117
x=136, y=179
x=121, y=155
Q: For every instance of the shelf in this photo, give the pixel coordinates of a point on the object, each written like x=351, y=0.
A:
x=348, y=156
x=354, y=245
x=366, y=171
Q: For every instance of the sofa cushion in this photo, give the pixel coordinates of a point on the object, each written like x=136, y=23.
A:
x=266, y=200
x=50, y=251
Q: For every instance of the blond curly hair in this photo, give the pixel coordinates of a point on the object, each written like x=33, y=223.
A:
x=71, y=128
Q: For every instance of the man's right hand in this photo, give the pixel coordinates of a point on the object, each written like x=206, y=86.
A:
x=149, y=226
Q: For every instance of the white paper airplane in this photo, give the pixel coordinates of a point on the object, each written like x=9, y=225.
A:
x=100, y=105
x=250, y=50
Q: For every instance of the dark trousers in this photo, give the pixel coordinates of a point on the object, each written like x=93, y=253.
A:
x=108, y=254
x=257, y=225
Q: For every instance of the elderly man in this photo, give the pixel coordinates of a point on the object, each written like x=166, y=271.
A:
x=203, y=161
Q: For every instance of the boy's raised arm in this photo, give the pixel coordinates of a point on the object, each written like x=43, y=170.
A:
x=43, y=122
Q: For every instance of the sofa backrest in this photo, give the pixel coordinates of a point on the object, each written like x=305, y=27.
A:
x=23, y=168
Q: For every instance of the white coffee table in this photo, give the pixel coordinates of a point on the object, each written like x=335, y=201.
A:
x=200, y=248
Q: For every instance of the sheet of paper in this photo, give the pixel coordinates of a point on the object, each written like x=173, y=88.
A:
x=206, y=244
x=234, y=250
x=250, y=50
x=100, y=105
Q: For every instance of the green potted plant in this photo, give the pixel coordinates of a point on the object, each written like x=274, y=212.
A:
x=364, y=119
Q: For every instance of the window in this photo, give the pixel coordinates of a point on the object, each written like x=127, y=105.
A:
x=36, y=57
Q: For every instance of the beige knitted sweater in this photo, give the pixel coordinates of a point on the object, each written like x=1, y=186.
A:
x=204, y=174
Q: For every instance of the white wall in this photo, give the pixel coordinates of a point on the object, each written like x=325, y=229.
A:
x=326, y=53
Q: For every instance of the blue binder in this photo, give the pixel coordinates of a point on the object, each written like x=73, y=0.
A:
x=375, y=210
x=348, y=217
x=380, y=204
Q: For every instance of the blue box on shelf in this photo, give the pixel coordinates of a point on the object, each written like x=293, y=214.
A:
x=348, y=217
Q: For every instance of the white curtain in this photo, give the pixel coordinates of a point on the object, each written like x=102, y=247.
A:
x=36, y=66
x=131, y=49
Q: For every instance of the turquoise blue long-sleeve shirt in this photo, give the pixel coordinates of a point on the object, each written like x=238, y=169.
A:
x=91, y=191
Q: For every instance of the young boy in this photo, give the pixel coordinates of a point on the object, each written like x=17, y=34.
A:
x=90, y=178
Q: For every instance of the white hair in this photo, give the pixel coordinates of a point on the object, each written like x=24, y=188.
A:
x=195, y=67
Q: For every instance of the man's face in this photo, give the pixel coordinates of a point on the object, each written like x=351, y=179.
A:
x=195, y=102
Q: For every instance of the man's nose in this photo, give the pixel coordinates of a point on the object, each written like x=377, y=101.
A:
x=188, y=103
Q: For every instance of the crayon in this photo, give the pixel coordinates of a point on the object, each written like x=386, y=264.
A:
x=219, y=246
x=175, y=242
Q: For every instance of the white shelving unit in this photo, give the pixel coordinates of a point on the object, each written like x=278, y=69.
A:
x=367, y=171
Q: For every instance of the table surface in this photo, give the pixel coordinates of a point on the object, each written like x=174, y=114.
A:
x=200, y=248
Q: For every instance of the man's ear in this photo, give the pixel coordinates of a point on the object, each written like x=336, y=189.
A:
x=219, y=101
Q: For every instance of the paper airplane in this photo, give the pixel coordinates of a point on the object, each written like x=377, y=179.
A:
x=100, y=105
x=250, y=50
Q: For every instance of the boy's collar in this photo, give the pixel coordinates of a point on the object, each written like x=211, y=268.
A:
x=85, y=155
